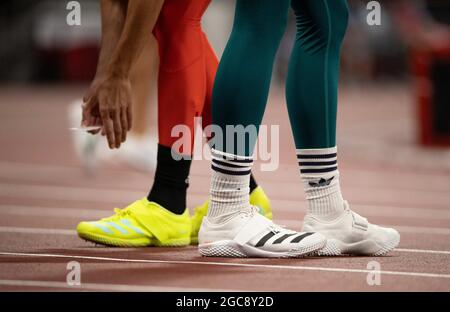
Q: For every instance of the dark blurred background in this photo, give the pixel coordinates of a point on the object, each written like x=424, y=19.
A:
x=37, y=45
x=401, y=66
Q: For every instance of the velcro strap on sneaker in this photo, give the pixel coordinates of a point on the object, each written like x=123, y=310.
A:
x=253, y=227
x=156, y=226
x=359, y=222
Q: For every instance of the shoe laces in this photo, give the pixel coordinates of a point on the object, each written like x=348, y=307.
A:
x=118, y=214
x=274, y=228
x=277, y=228
x=250, y=212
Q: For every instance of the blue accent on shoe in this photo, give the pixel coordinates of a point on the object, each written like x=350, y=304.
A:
x=131, y=226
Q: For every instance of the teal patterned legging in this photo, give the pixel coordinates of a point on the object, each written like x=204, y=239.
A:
x=242, y=82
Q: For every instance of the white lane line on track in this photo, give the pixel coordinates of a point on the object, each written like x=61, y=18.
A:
x=22, y=230
x=227, y=264
x=39, y=211
x=105, y=287
x=68, y=193
x=25, y=230
x=441, y=252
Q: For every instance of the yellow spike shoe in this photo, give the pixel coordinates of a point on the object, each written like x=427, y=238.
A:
x=143, y=223
x=258, y=198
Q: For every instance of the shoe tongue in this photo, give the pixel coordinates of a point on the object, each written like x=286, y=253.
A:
x=141, y=206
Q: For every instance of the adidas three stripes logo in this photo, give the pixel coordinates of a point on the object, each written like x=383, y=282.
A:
x=278, y=238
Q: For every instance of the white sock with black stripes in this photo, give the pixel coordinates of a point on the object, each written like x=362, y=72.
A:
x=320, y=175
x=229, y=194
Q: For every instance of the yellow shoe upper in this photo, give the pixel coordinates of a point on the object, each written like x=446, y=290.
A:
x=140, y=223
x=258, y=198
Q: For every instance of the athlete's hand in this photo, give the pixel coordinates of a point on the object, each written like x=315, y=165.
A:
x=91, y=117
x=108, y=104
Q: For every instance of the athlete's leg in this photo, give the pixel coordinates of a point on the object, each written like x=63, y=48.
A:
x=211, y=64
x=242, y=83
x=162, y=217
x=257, y=196
x=312, y=87
x=181, y=96
x=313, y=74
x=232, y=228
x=311, y=93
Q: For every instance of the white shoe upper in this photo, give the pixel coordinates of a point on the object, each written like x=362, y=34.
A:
x=353, y=234
x=255, y=235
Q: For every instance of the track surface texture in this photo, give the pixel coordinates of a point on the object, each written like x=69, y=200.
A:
x=386, y=177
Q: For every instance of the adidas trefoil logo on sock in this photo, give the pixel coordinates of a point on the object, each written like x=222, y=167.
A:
x=322, y=182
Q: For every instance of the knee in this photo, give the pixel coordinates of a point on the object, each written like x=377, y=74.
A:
x=262, y=35
x=260, y=24
x=321, y=24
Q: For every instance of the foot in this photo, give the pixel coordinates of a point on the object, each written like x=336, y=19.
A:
x=258, y=198
x=352, y=234
x=141, y=224
x=250, y=234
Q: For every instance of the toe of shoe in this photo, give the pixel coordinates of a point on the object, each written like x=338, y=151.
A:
x=385, y=234
x=386, y=239
x=393, y=236
x=83, y=227
x=87, y=227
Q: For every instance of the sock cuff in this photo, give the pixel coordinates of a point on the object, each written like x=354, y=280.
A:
x=230, y=164
x=316, y=151
x=216, y=154
x=316, y=162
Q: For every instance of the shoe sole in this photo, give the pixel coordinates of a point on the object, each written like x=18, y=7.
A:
x=230, y=249
x=145, y=242
x=336, y=247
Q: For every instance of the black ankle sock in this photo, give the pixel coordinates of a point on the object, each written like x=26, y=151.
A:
x=253, y=183
x=171, y=181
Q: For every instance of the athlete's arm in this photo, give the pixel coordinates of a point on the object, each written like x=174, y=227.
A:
x=111, y=98
x=113, y=20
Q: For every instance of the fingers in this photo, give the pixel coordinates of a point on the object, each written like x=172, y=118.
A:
x=87, y=118
x=112, y=126
x=129, y=115
x=117, y=125
x=108, y=127
x=124, y=120
x=114, y=111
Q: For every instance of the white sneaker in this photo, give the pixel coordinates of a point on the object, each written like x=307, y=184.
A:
x=353, y=235
x=85, y=144
x=250, y=234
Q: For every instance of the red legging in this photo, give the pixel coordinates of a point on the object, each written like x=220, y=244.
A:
x=187, y=68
